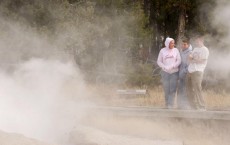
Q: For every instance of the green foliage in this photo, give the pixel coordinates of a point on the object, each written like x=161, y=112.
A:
x=141, y=75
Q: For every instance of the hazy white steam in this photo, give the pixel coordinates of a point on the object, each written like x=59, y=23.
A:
x=34, y=100
x=43, y=96
x=219, y=44
x=43, y=93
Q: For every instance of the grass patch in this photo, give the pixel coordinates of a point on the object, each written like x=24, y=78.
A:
x=106, y=95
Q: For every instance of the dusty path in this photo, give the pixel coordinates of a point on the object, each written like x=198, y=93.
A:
x=112, y=129
x=18, y=139
x=93, y=136
x=190, y=131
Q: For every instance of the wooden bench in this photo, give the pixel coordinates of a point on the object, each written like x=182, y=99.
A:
x=133, y=92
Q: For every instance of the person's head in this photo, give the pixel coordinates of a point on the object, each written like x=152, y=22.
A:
x=199, y=40
x=185, y=44
x=169, y=43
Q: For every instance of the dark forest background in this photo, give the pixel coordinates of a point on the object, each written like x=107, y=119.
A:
x=112, y=38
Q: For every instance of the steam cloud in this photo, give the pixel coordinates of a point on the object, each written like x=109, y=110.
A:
x=219, y=43
x=35, y=102
x=41, y=87
x=43, y=93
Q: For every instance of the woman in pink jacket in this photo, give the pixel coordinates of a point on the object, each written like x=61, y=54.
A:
x=169, y=60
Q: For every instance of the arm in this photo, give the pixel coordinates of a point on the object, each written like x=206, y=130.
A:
x=198, y=58
x=178, y=60
x=160, y=60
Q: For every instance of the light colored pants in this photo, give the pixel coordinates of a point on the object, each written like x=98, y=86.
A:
x=194, y=89
x=169, y=82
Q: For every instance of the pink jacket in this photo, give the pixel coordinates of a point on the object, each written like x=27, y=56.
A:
x=169, y=59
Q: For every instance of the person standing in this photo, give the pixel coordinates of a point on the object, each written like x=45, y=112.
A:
x=182, y=98
x=169, y=60
x=197, y=63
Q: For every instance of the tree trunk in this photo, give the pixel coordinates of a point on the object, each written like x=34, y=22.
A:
x=181, y=27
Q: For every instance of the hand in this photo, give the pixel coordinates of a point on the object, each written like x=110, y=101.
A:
x=190, y=56
x=167, y=68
